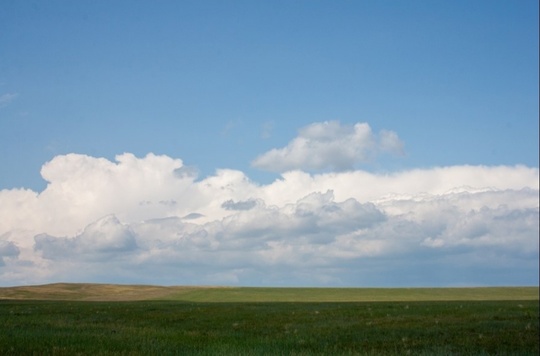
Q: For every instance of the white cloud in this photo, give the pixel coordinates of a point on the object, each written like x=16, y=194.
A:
x=329, y=145
x=103, y=238
x=7, y=98
x=148, y=220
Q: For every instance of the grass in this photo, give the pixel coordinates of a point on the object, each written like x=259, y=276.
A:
x=354, y=294
x=219, y=321
x=113, y=292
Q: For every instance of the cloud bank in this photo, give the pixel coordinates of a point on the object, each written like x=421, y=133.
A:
x=152, y=220
x=330, y=145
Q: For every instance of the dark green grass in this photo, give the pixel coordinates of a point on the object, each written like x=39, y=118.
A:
x=269, y=328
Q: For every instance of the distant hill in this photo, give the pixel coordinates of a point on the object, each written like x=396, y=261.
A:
x=119, y=292
x=91, y=292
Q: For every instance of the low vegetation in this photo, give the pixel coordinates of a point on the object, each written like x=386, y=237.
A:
x=116, y=292
x=67, y=319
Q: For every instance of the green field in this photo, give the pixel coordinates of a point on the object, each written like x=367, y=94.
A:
x=67, y=319
x=116, y=292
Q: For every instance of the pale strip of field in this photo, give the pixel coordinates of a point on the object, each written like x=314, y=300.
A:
x=356, y=294
x=116, y=292
x=91, y=292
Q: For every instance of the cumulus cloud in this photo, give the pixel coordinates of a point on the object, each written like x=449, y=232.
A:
x=329, y=145
x=148, y=220
x=104, y=237
x=8, y=249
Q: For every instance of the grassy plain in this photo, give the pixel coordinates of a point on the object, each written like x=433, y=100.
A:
x=117, y=292
x=261, y=321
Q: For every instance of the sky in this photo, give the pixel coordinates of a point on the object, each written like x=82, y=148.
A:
x=270, y=143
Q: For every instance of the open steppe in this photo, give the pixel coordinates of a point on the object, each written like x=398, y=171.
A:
x=118, y=292
x=95, y=319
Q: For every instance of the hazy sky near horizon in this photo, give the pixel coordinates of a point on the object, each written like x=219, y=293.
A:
x=347, y=143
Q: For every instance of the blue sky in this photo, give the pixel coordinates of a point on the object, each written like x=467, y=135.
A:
x=331, y=89
x=458, y=81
